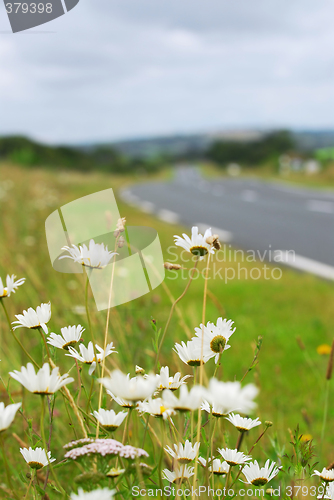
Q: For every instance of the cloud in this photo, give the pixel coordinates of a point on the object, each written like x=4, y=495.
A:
x=126, y=68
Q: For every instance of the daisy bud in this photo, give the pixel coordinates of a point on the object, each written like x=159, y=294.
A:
x=121, y=242
x=169, y=266
x=214, y=241
x=139, y=370
x=268, y=423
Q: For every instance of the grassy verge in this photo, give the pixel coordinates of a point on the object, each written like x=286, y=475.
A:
x=296, y=305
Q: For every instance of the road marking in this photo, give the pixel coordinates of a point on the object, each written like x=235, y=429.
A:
x=225, y=236
x=146, y=206
x=304, y=264
x=168, y=216
x=249, y=195
x=326, y=207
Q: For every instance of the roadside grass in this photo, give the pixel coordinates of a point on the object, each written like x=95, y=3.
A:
x=291, y=380
x=322, y=180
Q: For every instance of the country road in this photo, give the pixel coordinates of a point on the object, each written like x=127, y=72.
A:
x=249, y=214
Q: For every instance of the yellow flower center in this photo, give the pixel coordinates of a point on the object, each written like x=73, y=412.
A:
x=218, y=343
x=199, y=251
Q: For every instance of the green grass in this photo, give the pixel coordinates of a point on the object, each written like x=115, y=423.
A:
x=278, y=310
x=322, y=180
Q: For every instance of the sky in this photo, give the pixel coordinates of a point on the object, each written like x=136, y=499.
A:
x=117, y=69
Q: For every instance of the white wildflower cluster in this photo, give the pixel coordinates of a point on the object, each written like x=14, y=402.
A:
x=104, y=447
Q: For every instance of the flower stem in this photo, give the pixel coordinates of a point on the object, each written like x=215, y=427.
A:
x=325, y=415
x=15, y=337
x=172, y=310
x=106, y=338
x=9, y=479
x=89, y=322
x=45, y=343
x=201, y=368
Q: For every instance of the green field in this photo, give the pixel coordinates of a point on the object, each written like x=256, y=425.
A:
x=291, y=381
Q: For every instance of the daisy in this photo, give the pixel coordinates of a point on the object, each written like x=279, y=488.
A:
x=167, y=382
x=217, y=467
x=34, y=319
x=130, y=389
x=70, y=335
x=122, y=402
x=11, y=285
x=43, y=382
x=109, y=419
x=215, y=337
x=325, y=475
x=241, y=423
x=329, y=493
x=233, y=457
x=178, y=475
x=156, y=407
x=187, y=401
x=87, y=354
x=100, y=494
x=230, y=396
x=183, y=453
x=197, y=244
x=217, y=410
x=259, y=476
x=97, y=256
x=37, y=458
x=190, y=353
x=7, y=415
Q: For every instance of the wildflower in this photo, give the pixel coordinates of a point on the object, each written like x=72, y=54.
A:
x=110, y=419
x=87, y=354
x=259, y=476
x=170, y=266
x=184, y=453
x=99, y=494
x=34, y=319
x=115, y=472
x=70, y=335
x=215, y=337
x=322, y=349
x=105, y=447
x=167, y=382
x=139, y=370
x=178, y=475
x=217, y=410
x=11, y=285
x=230, y=396
x=217, y=467
x=233, y=457
x=97, y=256
x=326, y=475
x=190, y=353
x=130, y=389
x=197, y=244
x=7, y=415
x=120, y=226
x=156, y=407
x=241, y=423
x=329, y=491
x=43, y=382
x=187, y=401
x=36, y=458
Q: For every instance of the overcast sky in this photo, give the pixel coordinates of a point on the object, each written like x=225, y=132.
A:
x=113, y=69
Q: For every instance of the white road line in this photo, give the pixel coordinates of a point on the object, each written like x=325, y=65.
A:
x=225, y=236
x=146, y=206
x=249, y=195
x=326, y=207
x=168, y=216
x=304, y=264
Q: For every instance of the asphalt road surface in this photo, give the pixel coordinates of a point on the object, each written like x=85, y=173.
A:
x=252, y=215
